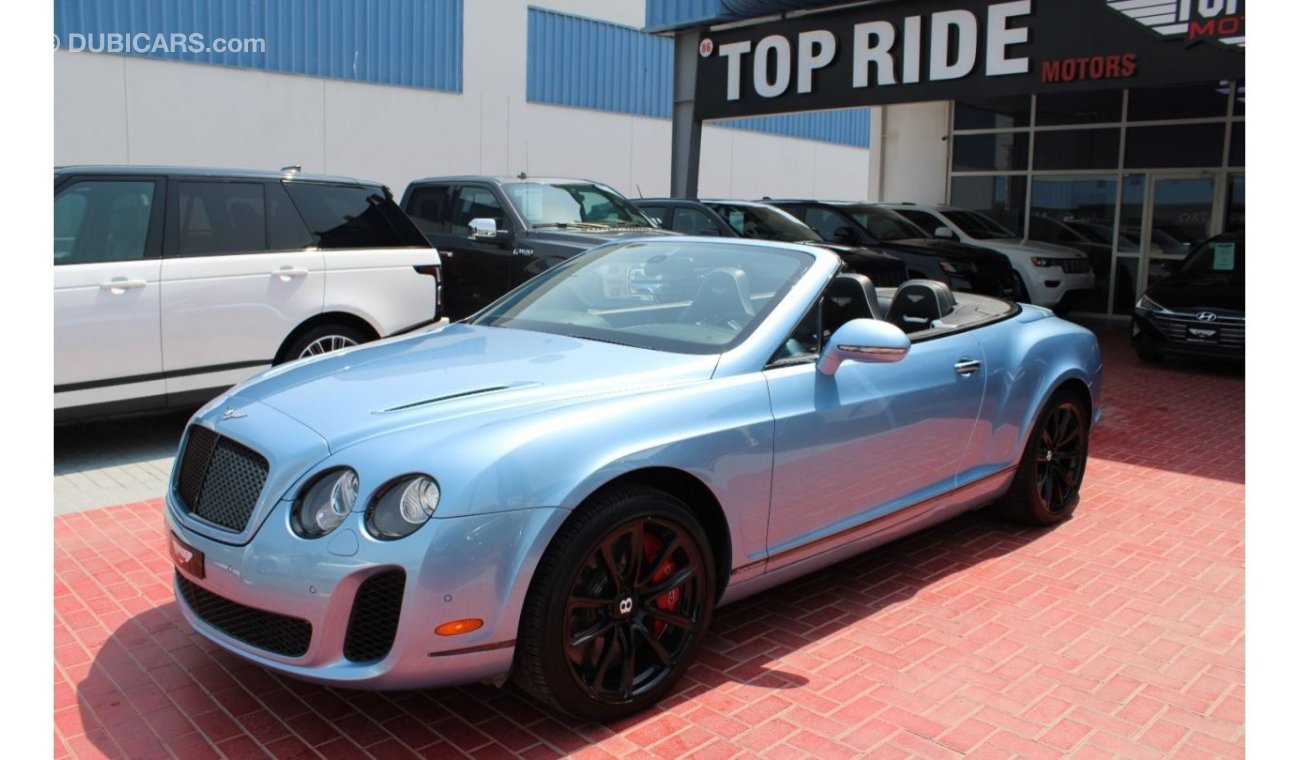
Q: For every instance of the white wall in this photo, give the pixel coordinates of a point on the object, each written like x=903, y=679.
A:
x=910, y=141
x=115, y=109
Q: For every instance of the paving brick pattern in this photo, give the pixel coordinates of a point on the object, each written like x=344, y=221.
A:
x=1117, y=634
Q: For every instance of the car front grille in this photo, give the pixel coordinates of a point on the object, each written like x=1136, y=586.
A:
x=219, y=480
x=280, y=634
x=1073, y=266
x=375, y=612
x=1177, y=328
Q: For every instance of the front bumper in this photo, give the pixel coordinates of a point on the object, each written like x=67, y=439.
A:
x=1049, y=286
x=1175, y=334
x=477, y=566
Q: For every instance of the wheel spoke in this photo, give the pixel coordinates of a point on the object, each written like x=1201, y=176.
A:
x=637, y=558
x=577, y=602
x=663, y=557
x=671, y=618
x=629, y=662
x=657, y=648
x=583, y=638
x=606, y=659
x=668, y=584
x=611, y=566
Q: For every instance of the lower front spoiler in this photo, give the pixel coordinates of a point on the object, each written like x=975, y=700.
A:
x=413, y=670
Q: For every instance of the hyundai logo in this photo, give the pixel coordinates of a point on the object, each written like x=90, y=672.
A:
x=1206, y=316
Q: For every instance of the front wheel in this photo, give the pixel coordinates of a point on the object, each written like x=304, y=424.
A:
x=1045, y=489
x=618, y=607
x=322, y=340
x=1022, y=292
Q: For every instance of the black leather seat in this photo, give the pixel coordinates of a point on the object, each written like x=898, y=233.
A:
x=918, y=303
x=848, y=297
x=723, y=300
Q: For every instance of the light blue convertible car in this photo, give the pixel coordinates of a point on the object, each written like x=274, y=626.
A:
x=562, y=488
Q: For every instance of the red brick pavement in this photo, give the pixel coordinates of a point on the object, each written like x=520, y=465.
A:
x=1117, y=634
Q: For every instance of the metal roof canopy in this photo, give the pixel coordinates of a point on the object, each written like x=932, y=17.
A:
x=817, y=55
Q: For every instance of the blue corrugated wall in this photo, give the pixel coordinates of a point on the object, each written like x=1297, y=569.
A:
x=413, y=43
x=585, y=63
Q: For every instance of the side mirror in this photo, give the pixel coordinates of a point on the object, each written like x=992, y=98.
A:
x=485, y=230
x=945, y=232
x=863, y=340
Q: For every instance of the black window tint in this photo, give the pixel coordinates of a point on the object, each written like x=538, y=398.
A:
x=1077, y=149
x=1173, y=146
x=694, y=222
x=1094, y=107
x=826, y=222
x=658, y=214
x=476, y=203
x=102, y=221
x=1000, y=151
x=926, y=221
x=430, y=208
x=284, y=228
x=353, y=216
x=1184, y=102
x=221, y=217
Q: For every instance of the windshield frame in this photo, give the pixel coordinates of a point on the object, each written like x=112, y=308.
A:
x=863, y=215
x=985, y=225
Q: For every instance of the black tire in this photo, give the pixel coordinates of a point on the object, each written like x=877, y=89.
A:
x=605, y=633
x=1045, y=489
x=323, y=339
x=1022, y=293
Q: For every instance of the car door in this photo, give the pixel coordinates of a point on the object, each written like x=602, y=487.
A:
x=870, y=440
x=239, y=273
x=107, y=239
x=475, y=272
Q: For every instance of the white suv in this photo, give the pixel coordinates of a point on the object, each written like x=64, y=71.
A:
x=1046, y=274
x=170, y=285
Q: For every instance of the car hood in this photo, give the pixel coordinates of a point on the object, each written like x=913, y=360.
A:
x=1026, y=247
x=584, y=239
x=463, y=373
x=1187, y=292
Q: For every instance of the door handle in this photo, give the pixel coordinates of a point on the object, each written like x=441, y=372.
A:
x=121, y=285
x=285, y=273
x=967, y=366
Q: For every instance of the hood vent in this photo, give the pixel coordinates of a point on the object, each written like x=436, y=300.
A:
x=449, y=397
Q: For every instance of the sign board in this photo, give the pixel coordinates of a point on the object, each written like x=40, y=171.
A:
x=941, y=49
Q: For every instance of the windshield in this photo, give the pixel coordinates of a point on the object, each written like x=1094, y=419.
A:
x=694, y=298
x=884, y=224
x=1221, y=256
x=765, y=223
x=978, y=226
x=581, y=205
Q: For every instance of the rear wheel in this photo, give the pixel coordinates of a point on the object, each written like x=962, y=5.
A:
x=619, y=606
x=322, y=340
x=1045, y=489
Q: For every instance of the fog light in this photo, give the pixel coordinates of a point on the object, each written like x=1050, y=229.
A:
x=457, y=627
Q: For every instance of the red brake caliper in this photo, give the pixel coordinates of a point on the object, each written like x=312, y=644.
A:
x=668, y=602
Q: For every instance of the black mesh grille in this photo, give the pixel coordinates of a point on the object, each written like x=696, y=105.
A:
x=280, y=634
x=220, y=479
x=373, y=622
x=1075, y=266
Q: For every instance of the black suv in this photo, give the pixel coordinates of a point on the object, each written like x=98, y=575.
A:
x=961, y=266
x=496, y=232
x=1200, y=309
x=763, y=222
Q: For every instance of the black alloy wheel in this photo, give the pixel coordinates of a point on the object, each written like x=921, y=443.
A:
x=618, y=606
x=1045, y=487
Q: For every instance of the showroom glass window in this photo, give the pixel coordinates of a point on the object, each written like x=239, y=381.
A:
x=1128, y=176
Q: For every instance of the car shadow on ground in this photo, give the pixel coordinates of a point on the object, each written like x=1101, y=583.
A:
x=156, y=686
x=82, y=446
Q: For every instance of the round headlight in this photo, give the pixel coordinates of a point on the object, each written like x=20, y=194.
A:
x=402, y=507
x=323, y=506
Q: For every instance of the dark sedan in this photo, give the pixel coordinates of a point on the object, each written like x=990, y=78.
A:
x=1200, y=309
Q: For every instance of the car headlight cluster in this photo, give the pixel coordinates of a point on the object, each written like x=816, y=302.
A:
x=1146, y=304
x=397, y=510
x=1043, y=261
x=956, y=267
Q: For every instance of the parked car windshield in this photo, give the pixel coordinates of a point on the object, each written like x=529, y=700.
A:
x=765, y=223
x=978, y=226
x=884, y=224
x=694, y=298
x=1224, y=255
x=581, y=205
